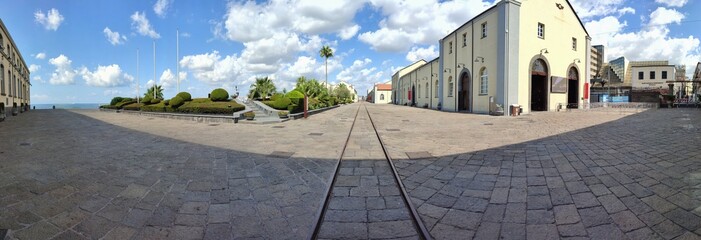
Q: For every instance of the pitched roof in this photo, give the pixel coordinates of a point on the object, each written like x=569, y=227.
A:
x=384, y=87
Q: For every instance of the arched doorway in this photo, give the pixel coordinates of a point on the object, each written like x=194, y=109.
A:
x=464, y=93
x=539, y=86
x=573, y=88
x=411, y=95
x=2, y=112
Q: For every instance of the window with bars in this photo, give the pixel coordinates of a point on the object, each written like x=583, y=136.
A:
x=541, y=30
x=451, y=86
x=484, y=81
x=464, y=39
x=484, y=30
x=574, y=44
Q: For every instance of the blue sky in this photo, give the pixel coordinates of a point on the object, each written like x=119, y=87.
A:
x=85, y=51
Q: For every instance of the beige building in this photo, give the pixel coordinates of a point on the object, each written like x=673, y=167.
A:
x=381, y=93
x=14, y=77
x=532, y=53
x=696, y=86
x=353, y=92
x=649, y=77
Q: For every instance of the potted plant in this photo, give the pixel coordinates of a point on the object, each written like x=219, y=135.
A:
x=249, y=115
x=283, y=114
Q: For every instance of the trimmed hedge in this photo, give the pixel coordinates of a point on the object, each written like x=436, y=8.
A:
x=295, y=94
x=185, y=96
x=206, y=106
x=219, y=94
x=147, y=99
x=281, y=103
x=177, y=101
x=133, y=106
x=276, y=96
x=109, y=107
x=155, y=101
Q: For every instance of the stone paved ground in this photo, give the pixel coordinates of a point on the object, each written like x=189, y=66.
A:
x=90, y=175
x=588, y=175
x=366, y=202
x=551, y=175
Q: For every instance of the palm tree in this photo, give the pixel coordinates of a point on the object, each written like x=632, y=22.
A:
x=326, y=52
x=158, y=94
x=310, y=88
x=262, y=88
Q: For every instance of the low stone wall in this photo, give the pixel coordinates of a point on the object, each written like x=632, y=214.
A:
x=311, y=112
x=189, y=117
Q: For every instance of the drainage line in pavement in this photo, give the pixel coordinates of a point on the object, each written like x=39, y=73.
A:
x=325, y=202
x=423, y=232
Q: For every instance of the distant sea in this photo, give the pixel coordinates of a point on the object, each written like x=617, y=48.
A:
x=68, y=106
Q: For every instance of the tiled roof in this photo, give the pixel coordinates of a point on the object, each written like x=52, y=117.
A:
x=384, y=87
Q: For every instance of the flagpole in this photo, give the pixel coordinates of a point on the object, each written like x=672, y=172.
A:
x=177, y=56
x=137, y=75
x=154, y=69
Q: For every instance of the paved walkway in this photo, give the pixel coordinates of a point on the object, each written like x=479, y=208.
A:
x=366, y=202
x=587, y=175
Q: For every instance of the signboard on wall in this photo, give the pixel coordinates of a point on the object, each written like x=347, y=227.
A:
x=558, y=84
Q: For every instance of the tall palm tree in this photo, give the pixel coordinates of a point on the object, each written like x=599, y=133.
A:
x=326, y=52
x=262, y=88
x=158, y=92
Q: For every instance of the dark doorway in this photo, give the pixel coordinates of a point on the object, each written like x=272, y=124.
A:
x=413, y=95
x=573, y=88
x=464, y=93
x=539, y=86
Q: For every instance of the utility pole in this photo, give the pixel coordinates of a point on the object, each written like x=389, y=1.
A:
x=177, y=56
x=137, y=75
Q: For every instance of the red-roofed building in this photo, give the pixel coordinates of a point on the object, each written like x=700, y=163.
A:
x=381, y=93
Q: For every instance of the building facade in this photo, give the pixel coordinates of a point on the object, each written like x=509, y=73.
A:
x=399, y=91
x=696, y=85
x=381, y=93
x=598, y=60
x=14, y=77
x=535, y=54
x=652, y=77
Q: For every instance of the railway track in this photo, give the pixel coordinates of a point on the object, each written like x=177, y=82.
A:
x=366, y=197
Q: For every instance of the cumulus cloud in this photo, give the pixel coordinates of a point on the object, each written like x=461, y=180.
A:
x=142, y=25
x=40, y=56
x=407, y=23
x=662, y=16
x=161, y=7
x=64, y=73
x=114, y=37
x=588, y=9
x=672, y=3
x=168, y=79
x=362, y=75
x=211, y=68
x=348, y=32
x=652, y=42
x=417, y=53
x=51, y=20
x=106, y=76
x=626, y=10
x=34, y=68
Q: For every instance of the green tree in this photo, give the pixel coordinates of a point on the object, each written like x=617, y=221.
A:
x=310, y=88
x=158, y=94
x=326, y=52
x=343, y=93
x=262, y=88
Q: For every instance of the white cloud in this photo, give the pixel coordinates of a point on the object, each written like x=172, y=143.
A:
x=142, y=25
x=161, y=7
x=349, y=32
x=40, y=97
x=362, y=75
x=417, y=53
x=40, y=56
x=663, y=16
x=51, y=20
x=672, y=3
x=106, y=76
x=587, y=9
x=34, y=68
x=626, y=10
x=407, y=23
x=114, y=37
x=168, y=79
x=64, y=73
x=652, y=42
x=211, y=68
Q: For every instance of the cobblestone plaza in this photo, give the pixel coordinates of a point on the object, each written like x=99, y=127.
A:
x=550, y=175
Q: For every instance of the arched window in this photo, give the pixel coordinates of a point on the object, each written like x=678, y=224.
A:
x=436, y=87
x=426, y=90
x=382, y=96
x=2, y=79
x=484, y=81
x=451, y=86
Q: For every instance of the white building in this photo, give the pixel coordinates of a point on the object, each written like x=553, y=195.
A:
x=381, y=93
x=653, y=77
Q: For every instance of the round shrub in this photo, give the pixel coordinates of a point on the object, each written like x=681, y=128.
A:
x=116, y=100
x=176, y=101
x=155, y=100
x=219, y=94
x=147, y=99
x=276, y=96
x=295, y=94
x=185, y=96
x=282, y=103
